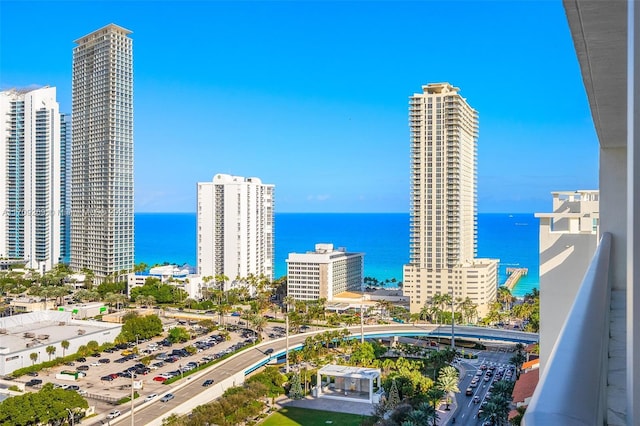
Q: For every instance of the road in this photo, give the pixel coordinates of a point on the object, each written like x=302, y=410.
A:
x=252, y=357
x=467, y=410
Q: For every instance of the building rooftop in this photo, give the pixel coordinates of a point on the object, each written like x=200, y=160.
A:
x=525, y=385
x=349, y=371
x=42, y=328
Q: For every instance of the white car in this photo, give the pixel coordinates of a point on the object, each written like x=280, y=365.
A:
x=95, y=364
x=150, y=397
x=113, y=414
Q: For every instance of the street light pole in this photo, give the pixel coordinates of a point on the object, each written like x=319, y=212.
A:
x=362, y=320
x=132, y=398
x=453, y=320
x=132, y=389
x=287, y=334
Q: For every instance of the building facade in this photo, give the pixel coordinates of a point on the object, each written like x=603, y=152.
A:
x=31, y=161
x=568, y=239
x=65, y=187
x=235, y=229
x=324, y=273
x=444, y=134
x=102, y=153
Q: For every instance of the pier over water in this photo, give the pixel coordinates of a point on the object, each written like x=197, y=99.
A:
x=514, y=276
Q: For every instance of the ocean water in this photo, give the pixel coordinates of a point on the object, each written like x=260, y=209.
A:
x=383, y=237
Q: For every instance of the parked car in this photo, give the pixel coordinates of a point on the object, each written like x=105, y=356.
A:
x=104, y=361
x=106, y=378
x=207, y=382
x=160, y=378
x=167, y=397
x=113, y=414
x=81, y=359
x=32, y=374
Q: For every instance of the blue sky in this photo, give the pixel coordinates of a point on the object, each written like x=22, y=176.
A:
x=313, y=96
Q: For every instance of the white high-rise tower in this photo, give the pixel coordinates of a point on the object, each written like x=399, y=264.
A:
x=102, y=152
x=444, y=134
x=235, y=228
x=30, y=177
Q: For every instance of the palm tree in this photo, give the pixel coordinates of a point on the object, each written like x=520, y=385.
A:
x=34, y=357
x=220, y=281
x=50, y=351
x=448, y=381
x=434, y=395
x=436, y=302
x=65, y=346
x=429, y=411
x=258, y=322
x=470, y=310
x=417, y=418
x=504, y=296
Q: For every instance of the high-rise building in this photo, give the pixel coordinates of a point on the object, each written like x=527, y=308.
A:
x=31, y=194
x=568, y=239
x=324, y=273
x=235, y=228
x=102, y=152
x=444, y=134
x=65, y=187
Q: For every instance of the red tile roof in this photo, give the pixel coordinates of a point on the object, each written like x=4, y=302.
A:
x=529, y=364
x=525, y=385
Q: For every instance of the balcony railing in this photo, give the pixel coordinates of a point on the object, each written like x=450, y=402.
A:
x=571, y=390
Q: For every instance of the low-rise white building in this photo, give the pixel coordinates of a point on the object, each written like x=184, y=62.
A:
x=348, y=383
x=84, y=310
x=324, y=273
x=31, y=304
x=26, y=334
x=177, y=276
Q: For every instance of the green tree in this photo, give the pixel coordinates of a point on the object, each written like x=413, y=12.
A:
x=34, y=357
x=93, y=346
x=434, y=395
x=141, y=327
x=394, y=396
x=111, y=287
x=363, y=354
x=517, y=419
x=47, y=406
x=50, y=351
x=295, y=392
x=65, y=346
x=178, y=334
x=448, y=381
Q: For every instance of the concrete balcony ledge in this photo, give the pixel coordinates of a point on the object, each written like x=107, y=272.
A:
x=572, y=389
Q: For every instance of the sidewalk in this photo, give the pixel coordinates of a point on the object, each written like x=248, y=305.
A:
x=325, y=404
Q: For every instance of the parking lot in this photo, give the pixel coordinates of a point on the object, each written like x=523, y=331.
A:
x=107, y=377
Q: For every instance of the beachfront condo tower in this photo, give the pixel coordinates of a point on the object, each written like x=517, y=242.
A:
x=324, y=273
x=444, y=136
x=32, y=195
x=235, y=230
x=102, y=153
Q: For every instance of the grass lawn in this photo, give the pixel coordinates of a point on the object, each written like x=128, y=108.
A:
x=293, y=416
